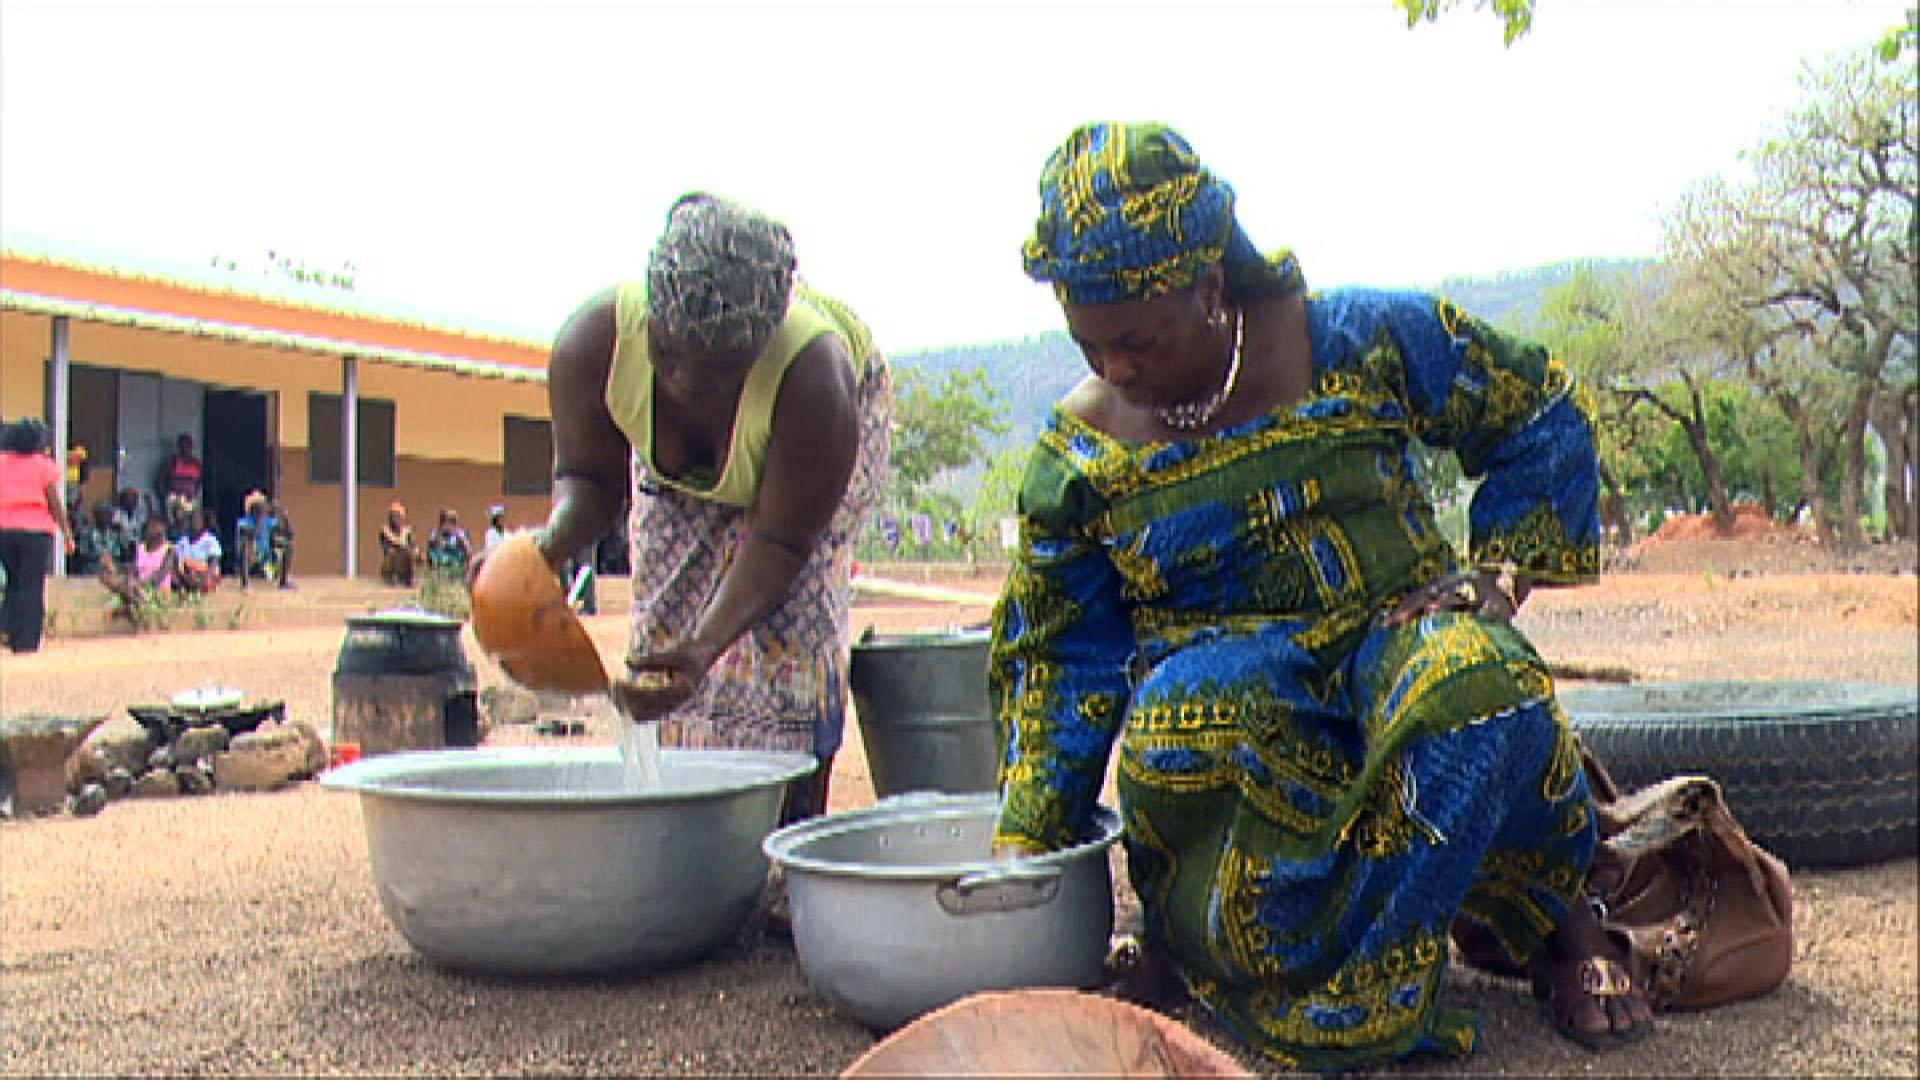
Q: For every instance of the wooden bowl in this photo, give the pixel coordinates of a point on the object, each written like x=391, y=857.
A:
x=1044, y=1033
x=522, y=620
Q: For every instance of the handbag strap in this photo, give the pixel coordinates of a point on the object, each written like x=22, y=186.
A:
x=1673, y=951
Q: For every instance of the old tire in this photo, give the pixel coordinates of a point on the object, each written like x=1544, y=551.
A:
x=1819, y=773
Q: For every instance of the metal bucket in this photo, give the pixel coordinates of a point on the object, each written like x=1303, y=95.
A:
x=924, y=718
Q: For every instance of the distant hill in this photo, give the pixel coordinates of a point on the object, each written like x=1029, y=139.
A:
x=1030, y=374
x=1511, y=300
x=1027, y=376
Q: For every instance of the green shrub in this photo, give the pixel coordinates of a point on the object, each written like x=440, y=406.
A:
x=444, y=592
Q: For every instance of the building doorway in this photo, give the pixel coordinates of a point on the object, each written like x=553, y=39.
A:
x=129, y=421
x=236, y=459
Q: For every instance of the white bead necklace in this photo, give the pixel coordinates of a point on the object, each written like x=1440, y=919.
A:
x=1188, y=415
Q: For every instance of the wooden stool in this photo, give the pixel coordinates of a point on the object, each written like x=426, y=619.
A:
x=1052, y=1032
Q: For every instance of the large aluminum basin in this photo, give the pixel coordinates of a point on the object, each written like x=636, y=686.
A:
x=539, y=860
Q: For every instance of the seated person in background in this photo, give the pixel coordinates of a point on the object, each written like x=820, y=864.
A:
x=199, y=552
x=89, y=539
x=398, y=552
x=115, y=545
x=280, y=540
x=130, y=515
x=496, y=528
x=265, y=537
x=449, y=549
x=150, y=575
x=179, y=518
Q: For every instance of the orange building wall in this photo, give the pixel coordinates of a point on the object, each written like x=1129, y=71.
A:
x=25, y=343
x=437, y=414
x=426, y=487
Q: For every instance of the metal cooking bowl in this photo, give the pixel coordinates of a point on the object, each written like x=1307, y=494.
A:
x=898, y=909
x=538, y=861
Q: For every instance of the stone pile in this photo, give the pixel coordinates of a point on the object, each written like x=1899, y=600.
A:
x=159, y=751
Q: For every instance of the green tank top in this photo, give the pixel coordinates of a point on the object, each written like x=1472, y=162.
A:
x=630, y=387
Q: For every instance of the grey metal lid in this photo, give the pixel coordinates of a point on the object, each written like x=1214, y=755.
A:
x=404, y=616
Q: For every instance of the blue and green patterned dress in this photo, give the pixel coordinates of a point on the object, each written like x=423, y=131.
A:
x=1311, y=796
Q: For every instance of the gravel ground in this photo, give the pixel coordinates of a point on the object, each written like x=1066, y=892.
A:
x=240, y=934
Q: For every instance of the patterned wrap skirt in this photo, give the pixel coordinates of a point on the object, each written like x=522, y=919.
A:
x=783, y=684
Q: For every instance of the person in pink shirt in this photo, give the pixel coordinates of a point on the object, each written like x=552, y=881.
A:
x=149, y=578
x=31, y=515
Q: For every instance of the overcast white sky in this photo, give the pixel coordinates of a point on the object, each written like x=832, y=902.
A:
x=495, y=163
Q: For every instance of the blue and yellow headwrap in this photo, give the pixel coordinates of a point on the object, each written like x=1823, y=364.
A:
x=1127, y=212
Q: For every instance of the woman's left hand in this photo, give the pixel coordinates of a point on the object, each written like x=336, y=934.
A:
x=657, y=683
x=1478, y=591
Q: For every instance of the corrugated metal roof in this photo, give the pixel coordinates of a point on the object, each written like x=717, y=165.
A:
x=14, y=300
x=263, y=287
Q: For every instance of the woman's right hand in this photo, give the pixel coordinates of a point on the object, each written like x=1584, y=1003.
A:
x=654, y=684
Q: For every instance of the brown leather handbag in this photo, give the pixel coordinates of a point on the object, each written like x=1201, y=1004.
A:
x=1708, y=913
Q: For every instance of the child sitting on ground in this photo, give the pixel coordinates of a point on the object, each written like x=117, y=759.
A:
x=199, y=554
x=150, y=577
x=265, y=538
x=89, y=538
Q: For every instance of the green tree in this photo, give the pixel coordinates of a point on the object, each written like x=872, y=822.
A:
x=998, y=495
x=1900, y=40
x=1637, y=342
x=1517, y=15
x=1809, y=263
x=937, y=427
x=1581, y=321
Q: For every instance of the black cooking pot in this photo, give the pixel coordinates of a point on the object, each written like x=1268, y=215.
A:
x=404, y=641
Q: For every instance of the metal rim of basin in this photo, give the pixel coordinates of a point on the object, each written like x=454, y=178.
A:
x=920, y=808
x=384, y=775
x=968, y=637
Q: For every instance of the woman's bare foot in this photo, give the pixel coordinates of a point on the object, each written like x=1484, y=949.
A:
x=1581, y=977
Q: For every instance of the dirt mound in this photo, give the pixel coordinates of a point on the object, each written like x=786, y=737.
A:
x=1754, y=543
x=1749, y=522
